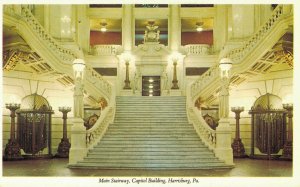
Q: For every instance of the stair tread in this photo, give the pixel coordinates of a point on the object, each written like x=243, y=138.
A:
x=151, y=132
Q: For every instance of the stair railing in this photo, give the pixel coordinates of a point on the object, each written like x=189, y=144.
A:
x=207, y=134
x=95, y=134
x=210, y=78
x=65, y=56
x=238, y=55
x=62, y=59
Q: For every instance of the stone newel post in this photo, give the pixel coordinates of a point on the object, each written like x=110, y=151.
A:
x=223, y=144
x=78, y=136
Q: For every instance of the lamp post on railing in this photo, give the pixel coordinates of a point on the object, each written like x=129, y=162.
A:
x=127, y=58
x=12, y=149
x=288, y=147
x=225, y=66
x=78, y=67
x=78, y=130
x=64, y=145
x=237, y=145
x=174, y=58
x=223, y=144
x=174, y=81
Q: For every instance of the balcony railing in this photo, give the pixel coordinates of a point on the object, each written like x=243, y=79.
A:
x=99, y=50
x=198, y=49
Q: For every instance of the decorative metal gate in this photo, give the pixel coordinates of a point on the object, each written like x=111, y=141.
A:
x=34, y=125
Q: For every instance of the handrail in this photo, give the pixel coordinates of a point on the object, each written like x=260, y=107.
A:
x=94, y=135
x=206, y=133
x=239, y=54
x=65, y=56
x=62, y=60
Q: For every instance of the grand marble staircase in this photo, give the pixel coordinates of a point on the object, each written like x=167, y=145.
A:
x=152, y=133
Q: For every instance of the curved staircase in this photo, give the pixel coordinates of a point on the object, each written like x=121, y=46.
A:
x=150, y=132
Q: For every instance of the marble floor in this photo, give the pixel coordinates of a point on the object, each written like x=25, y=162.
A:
x=58, y=167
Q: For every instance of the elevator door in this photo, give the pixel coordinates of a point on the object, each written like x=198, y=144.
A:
x=151, y=86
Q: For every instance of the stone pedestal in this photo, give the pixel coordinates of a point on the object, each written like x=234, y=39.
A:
x=175, y=92
x=126, y=93
x=223, y=145
x=12, y=151
x=78, y=140
x=238, y=148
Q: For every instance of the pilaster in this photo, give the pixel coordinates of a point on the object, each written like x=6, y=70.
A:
x=174, y=27
x=127, y=27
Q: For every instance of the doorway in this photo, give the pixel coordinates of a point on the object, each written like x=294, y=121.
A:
x=151, y=86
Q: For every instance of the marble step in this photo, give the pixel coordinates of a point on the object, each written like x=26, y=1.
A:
x=148, y=144
x=108, y=144
x=146, y=135
x=151, y=157
x=153, y=161
x=191, y=165
x=152, y=138
x=140, y=119
x=149, y=153
x=151, y=132
x=147, y=149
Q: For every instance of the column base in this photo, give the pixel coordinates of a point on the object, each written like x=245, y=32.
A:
x=288, y=150
x=225, y=154
x=238, y=149
x=175, y=93
x=12, y=151
x=63, y=149
x=126, y=93
x=165, y=92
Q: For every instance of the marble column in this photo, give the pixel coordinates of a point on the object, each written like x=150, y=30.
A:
x=174, y=32
x=220, y=27
x=60, y=21
x=243, y=21
x=127, y=27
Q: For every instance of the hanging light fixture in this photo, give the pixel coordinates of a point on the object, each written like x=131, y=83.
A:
x=199, y=26
x=103, y=27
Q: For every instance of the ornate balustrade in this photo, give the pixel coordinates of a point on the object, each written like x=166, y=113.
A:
x=94, y=135
x=99, y=50
x=63, y=55
x=61, y=60
x=206, y=133
x=239, y=55
x=198, y=49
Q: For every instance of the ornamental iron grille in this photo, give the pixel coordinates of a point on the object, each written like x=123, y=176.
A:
x=34, y=126
x=268, y=127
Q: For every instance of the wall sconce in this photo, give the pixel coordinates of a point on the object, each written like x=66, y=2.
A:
x=103, y=27
x=199, y=26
